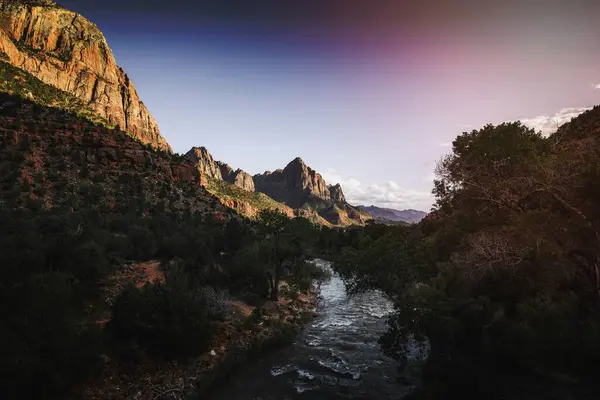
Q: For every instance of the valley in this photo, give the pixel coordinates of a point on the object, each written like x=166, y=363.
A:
x=132, y=271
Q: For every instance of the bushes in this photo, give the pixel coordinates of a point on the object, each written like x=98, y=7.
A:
x=168, y=319
x=46, y=343
x=304, y=273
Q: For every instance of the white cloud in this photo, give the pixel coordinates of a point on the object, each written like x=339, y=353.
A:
x=445, y=144
x=387, y=194
x=548, y=124
x=596, y=86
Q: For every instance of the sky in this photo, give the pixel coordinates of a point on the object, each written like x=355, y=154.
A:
x=368, y=93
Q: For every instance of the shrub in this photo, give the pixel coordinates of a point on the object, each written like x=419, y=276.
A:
x=217, y=303
x=168, y=319
x=304, y=273
x=45, y=344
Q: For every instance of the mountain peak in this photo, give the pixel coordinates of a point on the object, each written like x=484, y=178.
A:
x=204, y=162
x=305, y=190
x=63, y=49
x=296, y=161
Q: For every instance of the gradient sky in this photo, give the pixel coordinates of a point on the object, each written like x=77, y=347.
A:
x=369, y=93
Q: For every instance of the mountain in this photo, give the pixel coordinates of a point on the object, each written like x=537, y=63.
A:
x=295, y=190
x=65, y=50
x=58, y=59
x=53, y=159
x=237, y=178
x=303, y=189
x=234, y=189
x=295, y=185
x=390, y=215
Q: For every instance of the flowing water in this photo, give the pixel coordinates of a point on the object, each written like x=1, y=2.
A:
x=336, y=357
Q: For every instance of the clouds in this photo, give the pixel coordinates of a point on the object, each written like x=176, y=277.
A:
x=548, y=124
x=386, y=194
x=596, y=86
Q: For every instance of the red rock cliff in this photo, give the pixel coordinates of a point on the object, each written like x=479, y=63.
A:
x=65, y=50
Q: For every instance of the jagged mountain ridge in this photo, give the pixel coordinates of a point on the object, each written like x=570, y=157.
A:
x=296, y=187
x=304, y=189
x=409, y=216
x=207, y=165
x=65, y=50
x=57, y=58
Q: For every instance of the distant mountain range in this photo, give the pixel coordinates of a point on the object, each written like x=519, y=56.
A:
x=390, y=215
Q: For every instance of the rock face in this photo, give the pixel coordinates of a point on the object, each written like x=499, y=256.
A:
x=204, y=162
x=226, y=171
x=65, y=50
x=238, y=177
x=206, y=165
x=294, y=185
x=242, y=179
x=304, y=189
x=337, y=194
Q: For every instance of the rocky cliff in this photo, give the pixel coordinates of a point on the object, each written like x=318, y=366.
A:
x=204, y=162
x=304, y=189
x=294, y=185
x=218, y=170
x=238, y=177
x=234, y=189
x=337, y=194
x=65, y=50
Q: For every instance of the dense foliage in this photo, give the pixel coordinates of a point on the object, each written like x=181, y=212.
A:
x=56, y=267
x=502, y=277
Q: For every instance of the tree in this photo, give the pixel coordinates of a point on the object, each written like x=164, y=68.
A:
x=274, y=228
x=500, y=173
x=502, y=277
x=280, y=246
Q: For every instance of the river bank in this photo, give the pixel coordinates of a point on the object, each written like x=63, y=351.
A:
x=249, y=332
x=336, y=356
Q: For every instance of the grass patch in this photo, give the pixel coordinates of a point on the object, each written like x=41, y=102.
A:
x=228, y=191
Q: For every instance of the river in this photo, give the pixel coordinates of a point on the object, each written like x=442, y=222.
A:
x=336, y=356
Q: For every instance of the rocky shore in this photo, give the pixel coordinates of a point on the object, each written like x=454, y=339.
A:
x=248, y=333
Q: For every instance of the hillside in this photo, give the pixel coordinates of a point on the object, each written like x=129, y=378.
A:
x=51, y=158
x=117, y=260
x=65, y=50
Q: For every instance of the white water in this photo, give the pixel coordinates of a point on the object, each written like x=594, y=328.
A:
x=336, y=357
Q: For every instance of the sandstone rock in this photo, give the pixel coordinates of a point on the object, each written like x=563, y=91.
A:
x=65, y=50
x=305, y=190
x=226, y=171
x=337, y=194
x=204, y=162
x=243, y=180
x=293, y=185
x=202, y=158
